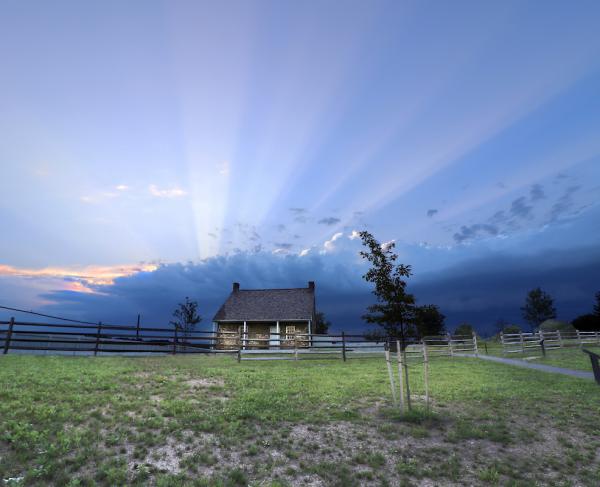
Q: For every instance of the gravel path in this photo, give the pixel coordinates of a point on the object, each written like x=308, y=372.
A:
x=521, y=363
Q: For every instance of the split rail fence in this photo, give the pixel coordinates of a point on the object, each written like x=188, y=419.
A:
x=533, y=342
x=104, y=339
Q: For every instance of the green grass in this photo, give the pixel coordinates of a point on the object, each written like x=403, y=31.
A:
x=570, y=357
x=210, y=421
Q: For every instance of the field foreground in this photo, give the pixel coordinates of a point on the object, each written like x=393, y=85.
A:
x=182, y=420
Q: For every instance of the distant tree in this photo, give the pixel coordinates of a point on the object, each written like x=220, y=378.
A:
x=186, y=317
x=394, y=311
x=539, y=307
x=429, y=321
x=321, y=323
x=509, y=329
x=499, y=325
x=589, y=322
x=464, y=329
x=597, y=305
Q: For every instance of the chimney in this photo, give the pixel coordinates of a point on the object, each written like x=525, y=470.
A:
x=236, y=287
x=311, y=285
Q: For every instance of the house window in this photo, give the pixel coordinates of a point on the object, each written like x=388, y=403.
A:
x=290, y=332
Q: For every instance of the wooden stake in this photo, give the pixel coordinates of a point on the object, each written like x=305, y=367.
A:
x=137, y=328
x=344, y=346
x=390, y=374
x=400, y=378
x=426, y=375
x=405, y=363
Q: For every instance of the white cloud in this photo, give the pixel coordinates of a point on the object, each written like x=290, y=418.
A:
x=354, y=235
x=223, y=168
x=304, y=252
x=166, y=193
x=122, y=187
x=386, y=245
x=328, y=246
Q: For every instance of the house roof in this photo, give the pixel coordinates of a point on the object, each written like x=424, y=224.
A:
x=268, y=305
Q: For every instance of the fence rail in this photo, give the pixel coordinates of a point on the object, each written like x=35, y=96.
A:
x=103, y=339
x=527, y=342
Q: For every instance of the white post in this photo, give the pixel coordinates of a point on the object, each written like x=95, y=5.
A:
x=390, y=374
x=245, y=336
x=426, y=371
x=502, y=342
x=278, y=331
x=559, y=338
x=475, y=344
x=400, y=372
x=579, y=338
x=450, y=344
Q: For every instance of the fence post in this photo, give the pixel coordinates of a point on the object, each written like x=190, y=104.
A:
x=522, y=342
x=390, y=373
x=98, y=338
x=476, y=349
x=597, y=334
x=137, y=329
x=174, y=340
x=400, y=372
x=344, y=346
x=579, y=338
x=560, y=341
x=502, y=342
x=8, y=336
x=239, y=356
x=450, y=347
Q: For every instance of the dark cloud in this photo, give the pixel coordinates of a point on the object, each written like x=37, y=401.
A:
x=284, y=245
x=280, y=227
x=520, y=209
x=431, y=212
x=329, y=221
x=478, y=290
x=300, y=214
x=212, y=235
x=537, y=192
x=471, y=232
x=564, y=204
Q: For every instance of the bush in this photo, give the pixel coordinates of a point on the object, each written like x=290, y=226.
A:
x=587, y=322
x=556, y=325
x=509, y=329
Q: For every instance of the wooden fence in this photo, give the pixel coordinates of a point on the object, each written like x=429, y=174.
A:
x=532, y=342
x=104, y=339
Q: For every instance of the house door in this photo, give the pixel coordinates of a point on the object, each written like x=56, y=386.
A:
x=274, y=337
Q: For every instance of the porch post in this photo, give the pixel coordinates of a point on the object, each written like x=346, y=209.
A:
x=245, y=336
x=310, y=333
x=278, y=334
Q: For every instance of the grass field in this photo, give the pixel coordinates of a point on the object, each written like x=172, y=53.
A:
x=181, y=420
x=569, y=357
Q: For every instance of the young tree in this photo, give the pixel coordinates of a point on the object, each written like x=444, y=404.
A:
x=186, y=317
x=429, y=321
x=539, y=307
x=394, y=311
x=322, y=324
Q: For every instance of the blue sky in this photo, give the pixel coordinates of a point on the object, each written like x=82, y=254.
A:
x=153, y=150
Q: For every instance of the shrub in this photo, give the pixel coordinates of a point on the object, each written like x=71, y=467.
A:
x=587, y=322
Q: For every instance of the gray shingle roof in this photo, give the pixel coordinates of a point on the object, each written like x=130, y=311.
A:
x=268, y=305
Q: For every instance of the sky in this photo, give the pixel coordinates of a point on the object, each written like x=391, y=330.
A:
x=155, y=150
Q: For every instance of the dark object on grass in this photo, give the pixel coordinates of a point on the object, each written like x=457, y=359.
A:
x=595, y=366
x=543, y=347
